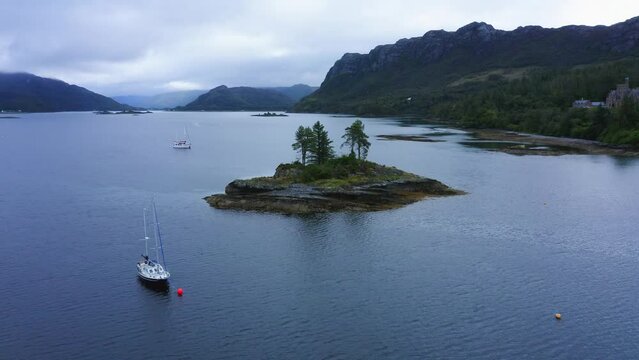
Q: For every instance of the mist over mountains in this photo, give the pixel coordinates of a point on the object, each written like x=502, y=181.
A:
x=160, y=101
x=23, y=92
x=428, y=75
x=182, y=98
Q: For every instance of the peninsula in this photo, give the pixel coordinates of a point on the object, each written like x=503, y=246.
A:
x=328, y=183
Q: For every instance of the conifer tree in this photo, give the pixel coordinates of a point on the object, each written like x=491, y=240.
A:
x=322, y=148
x=304, y=142
x=356, y=139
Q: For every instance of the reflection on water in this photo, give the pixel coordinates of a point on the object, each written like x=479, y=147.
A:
x=521, y=148
x=475, y=276
x=624, y=161
x=157, y=287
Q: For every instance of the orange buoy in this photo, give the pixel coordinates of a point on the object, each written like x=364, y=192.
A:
x=180, y=291
x=558, y=316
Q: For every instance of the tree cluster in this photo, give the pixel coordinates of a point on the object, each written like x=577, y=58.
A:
x=528, y=99
x=315, y=146
x=541, y=102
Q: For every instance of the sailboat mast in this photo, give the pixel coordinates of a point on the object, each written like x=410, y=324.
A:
x=186, y=134
x=158, y=237
x=146, y=237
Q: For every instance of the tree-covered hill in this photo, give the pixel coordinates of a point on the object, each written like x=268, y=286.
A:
x=31, y=93
x=295, y=92
x=525, y=79
x=541, y=102
x=223, y=98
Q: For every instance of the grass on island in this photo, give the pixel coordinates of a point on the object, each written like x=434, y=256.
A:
x=339, y=172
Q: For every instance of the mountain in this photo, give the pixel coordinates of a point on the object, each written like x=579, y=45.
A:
x=413, y=75
x=160, y=101
x=31, y=93
x=181, y=98
x=223, y=98
x=295, y=92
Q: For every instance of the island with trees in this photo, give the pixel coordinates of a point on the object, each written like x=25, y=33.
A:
x=320, y=181
x=270, y=114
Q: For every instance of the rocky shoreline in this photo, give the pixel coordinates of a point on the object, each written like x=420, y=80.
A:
x=408, y=137
x=276, y=194
x=532, y=144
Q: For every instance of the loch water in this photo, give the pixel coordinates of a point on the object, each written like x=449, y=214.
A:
x=476, y=276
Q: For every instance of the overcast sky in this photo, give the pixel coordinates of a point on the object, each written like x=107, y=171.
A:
x=121, y=47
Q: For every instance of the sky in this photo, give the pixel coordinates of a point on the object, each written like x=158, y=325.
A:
x=144, y=47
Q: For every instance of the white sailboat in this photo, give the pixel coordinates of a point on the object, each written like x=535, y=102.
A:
x=148, y=269
x=184, y=143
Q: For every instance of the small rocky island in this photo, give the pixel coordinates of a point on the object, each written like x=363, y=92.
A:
x=270, y=114
x=327, y=183
x=370, y=187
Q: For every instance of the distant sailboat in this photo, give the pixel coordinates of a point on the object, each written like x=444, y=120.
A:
x=152, y=270
x=184, y=143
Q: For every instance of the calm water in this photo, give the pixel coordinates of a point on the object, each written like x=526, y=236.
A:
x=475, y=276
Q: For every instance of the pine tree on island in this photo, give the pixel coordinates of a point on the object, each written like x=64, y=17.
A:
x=356, y=138
x=322, y=149
x=304, y=142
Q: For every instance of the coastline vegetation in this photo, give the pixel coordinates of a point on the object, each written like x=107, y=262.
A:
x=540, y=103
x=525, y=99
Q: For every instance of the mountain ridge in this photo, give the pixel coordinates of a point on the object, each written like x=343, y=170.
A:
x=31, y=93
x=175, y=99
x=223, y=98
x=417, y=65
x=295, y=92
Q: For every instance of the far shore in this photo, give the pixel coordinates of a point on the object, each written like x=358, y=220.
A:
x=562, y=145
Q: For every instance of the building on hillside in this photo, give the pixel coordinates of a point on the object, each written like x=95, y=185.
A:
x=582, y=104
x=587, y=104
x=623, y=91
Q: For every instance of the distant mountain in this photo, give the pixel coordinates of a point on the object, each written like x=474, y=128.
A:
x=31, y=93
x=181, y=98
x=223, y=98
x=295, y=92
x=412, y=75
x=160, y=101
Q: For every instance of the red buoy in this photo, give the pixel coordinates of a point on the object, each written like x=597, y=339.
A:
x=180, y=292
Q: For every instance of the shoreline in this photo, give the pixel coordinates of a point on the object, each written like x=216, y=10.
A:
x=565, y=145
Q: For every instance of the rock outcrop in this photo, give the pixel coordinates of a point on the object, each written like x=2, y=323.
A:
x=272, y=194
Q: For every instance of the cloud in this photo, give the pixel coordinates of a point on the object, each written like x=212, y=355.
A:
x=182, y=85
x=149, y=46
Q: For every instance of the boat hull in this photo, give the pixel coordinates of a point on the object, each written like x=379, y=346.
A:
x=151, y=272
x=153, y=280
